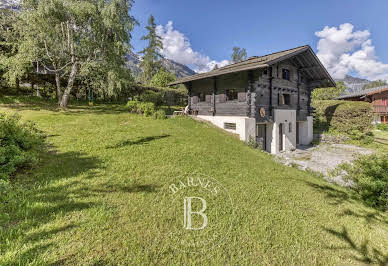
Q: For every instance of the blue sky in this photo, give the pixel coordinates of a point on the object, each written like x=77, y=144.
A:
x=213, y=27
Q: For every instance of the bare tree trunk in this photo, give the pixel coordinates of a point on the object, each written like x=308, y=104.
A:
x=59, y=91
x=17, y=86
x=70, y=83
x=37, y=91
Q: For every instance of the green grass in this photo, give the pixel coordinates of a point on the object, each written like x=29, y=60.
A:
x=381, y=134
x=95, y=197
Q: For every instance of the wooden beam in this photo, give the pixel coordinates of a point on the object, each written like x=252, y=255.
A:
x=309, y=68
x=214, y=94
x=248, y=95
x=316, y=83
x=298, y=88
x=189, y=90
x=270, y=89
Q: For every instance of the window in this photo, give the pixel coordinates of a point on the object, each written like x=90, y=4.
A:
x=286, y=74
x=290, y=127
x=231, y=94
x=284, y=99
x=385, y=101
x=202, y=97
x=230, y=126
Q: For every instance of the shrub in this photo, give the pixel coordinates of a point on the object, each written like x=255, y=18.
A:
x=252, y=142
x=382, y=127
x=153, y=97
x=344, y=117
x=132, y=106
x=19, y=144
x=370, y=173
x=145, y=108
x=160, y=114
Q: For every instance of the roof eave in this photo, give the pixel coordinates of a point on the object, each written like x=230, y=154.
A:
x=204, y=76
x=333, y=83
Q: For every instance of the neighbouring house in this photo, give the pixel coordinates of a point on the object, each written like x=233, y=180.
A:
x=264, y=98
x=378, y=97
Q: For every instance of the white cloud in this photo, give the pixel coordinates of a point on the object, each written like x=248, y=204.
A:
x=177, y=47
x=343, y=50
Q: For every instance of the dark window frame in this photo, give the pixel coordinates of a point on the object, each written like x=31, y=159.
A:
x=202, y=97
x=231, y=94
x=286, y=74
x=284, y=99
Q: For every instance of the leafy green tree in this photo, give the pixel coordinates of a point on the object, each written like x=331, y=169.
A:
x=99, y=79
x=162, y=78
x=239, y=54
x=13, y=67
x=374, y=84
x=66, y=35
x=151, y=56
x=328, y=93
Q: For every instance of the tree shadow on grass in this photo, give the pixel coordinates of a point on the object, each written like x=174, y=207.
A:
x=21, y=103
x=61, y=184
x=48, y=194
x=136, y=188
x=364, y=252
x=140, y=141
x=337, y=195
x=334, y=195
x=98, y=110
x=369, y=216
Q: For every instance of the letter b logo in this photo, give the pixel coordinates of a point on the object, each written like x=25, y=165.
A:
x=188, y=212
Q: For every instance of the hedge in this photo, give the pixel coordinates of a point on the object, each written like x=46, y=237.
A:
x=344, y=117
x=146, y=109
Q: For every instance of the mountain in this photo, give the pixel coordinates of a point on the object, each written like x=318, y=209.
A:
x=11, y=4
x=180, y=71
x=353, y=84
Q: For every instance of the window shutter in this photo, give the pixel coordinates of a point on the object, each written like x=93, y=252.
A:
x=242, y=96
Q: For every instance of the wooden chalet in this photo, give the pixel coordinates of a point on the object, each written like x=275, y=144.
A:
x=378, y=97
x=264, y=98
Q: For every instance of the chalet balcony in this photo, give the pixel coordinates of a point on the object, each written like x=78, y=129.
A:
x=380, y=109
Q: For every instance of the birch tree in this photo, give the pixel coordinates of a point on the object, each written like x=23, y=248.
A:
x=65, y=35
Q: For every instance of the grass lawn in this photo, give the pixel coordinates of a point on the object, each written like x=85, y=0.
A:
x=95, y=198
x=383, y=135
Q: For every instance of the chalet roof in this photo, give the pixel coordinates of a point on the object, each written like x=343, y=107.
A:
x=256, y=62
x=364, y=93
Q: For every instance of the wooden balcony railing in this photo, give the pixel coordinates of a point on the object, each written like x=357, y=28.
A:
x=380, y=109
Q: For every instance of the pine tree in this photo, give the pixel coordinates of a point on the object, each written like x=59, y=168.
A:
x=151, y=59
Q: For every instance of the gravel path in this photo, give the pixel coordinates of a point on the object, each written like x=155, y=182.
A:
x=323, y=158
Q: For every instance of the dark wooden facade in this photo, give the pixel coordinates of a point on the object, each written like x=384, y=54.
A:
x=257, y=90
